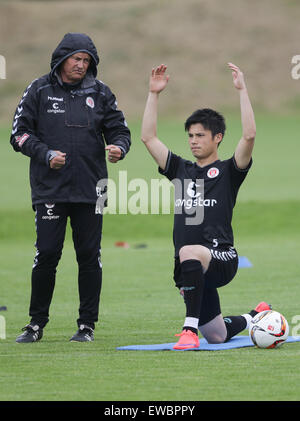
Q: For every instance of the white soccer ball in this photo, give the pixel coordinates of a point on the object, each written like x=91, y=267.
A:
x=269, y=329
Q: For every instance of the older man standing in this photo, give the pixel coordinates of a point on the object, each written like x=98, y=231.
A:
x=64, y=122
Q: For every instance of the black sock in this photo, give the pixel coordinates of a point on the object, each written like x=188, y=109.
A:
x=234, y=325
x=191, y=328
x=253, y=313
x=193, y=284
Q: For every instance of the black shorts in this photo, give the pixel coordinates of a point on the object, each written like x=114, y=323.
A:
x=222, y=269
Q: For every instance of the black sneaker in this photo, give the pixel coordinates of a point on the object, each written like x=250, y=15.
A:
x=32, y=333
x=83, y=334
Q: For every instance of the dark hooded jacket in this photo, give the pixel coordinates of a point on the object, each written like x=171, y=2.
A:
x=77, y=120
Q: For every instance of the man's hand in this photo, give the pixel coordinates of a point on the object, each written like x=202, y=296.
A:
x=158, y=79
x=238, y=77
x=114, y=153
x=58, y=161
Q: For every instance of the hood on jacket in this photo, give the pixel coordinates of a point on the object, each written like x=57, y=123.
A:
x=74, y=42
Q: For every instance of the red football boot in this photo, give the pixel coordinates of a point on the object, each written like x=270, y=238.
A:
x=188, y=340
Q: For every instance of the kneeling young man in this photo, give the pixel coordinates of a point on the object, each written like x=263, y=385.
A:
x=205, y=195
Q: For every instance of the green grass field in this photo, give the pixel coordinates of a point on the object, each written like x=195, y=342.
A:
x=139, y=303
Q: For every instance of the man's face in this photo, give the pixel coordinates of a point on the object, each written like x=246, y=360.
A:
x=74, y=68
x=201, y=141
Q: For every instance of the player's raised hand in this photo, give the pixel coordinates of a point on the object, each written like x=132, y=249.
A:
x=158, y=79
x=238, y=76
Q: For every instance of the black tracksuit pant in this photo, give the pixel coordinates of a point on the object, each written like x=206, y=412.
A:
x=51, y=221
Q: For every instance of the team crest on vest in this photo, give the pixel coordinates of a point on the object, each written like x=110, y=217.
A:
x=90, y=102
x=213, y=172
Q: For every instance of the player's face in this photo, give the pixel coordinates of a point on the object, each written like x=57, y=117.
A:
x=74, y=68
x=201, y=141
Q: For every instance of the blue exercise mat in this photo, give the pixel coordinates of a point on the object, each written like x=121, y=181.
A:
x=240, y=341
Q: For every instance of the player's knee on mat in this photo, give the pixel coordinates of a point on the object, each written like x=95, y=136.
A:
x=215, y=338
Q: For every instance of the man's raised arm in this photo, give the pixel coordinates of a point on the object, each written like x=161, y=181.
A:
x=159, y=151
x=243, y=152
